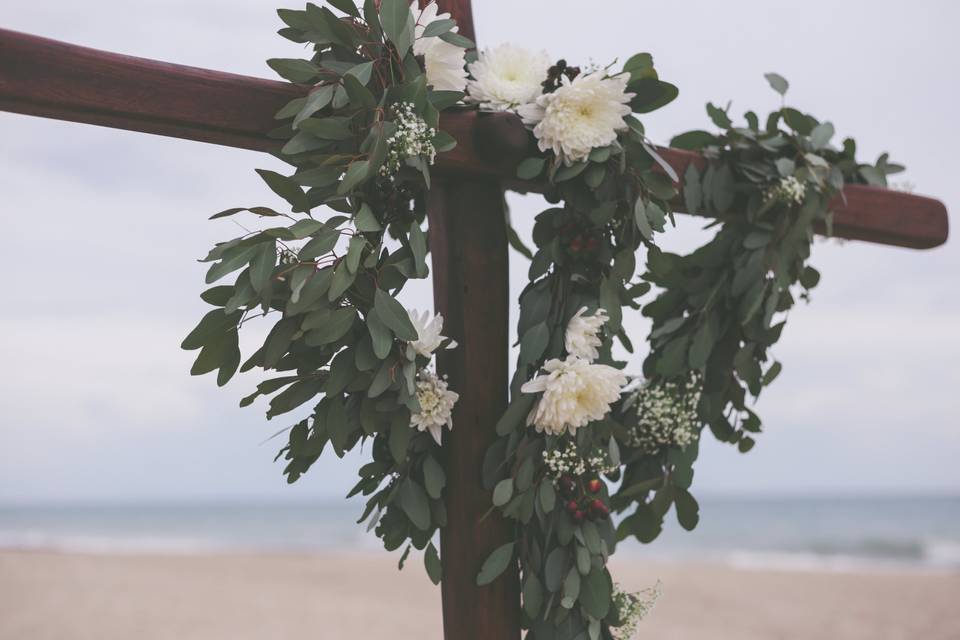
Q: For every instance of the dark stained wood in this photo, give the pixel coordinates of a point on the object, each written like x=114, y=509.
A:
x=471, y=288
x=468, y=243
x=44, y=77
x=460, y=11
x=871, y=214
x=53, y=79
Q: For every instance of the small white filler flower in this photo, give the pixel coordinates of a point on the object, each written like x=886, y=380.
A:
x=436, y=404
x=442, y=61
x=575, y=393
x=789, y=191
x=581, y=115
x=428, y=328
x=507, y=77
x=581, y=338
x=412, y=139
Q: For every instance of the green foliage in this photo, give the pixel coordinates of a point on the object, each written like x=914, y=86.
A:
x=339, y=340
x=328, y=278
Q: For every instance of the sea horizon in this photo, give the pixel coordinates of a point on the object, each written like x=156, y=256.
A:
x=875, y=532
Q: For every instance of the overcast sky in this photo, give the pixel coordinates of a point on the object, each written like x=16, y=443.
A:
x=101, y=230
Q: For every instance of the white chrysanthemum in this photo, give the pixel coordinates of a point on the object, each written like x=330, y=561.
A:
x=575, y=393
x=442, y=61
x=507, y=77
x=581, y=338
x=436, y=404
x=581, y=115
x=428, y=328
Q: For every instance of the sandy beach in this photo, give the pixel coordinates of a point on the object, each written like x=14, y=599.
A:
x=45, y=595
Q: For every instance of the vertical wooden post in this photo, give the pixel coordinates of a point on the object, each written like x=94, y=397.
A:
x=471, y=288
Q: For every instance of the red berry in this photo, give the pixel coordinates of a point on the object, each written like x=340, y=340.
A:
x=572, y=506
x=576, y=244
x=594, y=486
x=598, y=509
x=592, y=244
x=578, y=516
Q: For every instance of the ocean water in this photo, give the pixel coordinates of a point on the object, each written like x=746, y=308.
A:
x=872, y=533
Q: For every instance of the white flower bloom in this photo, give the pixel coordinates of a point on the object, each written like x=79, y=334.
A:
x=581, y=339
x=436, y=404
x=666, y=414
x=507, y=77
x=428, y=328
x=788, y=190
x=575, y=393
x=413, y=138
x=632, y=608
x=443, y=61
x=581, y=115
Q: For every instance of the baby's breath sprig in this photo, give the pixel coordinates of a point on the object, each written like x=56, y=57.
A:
x=412, y=139
x=567, y=460
x=665, y=414
x=789, y=191
x=632, y=608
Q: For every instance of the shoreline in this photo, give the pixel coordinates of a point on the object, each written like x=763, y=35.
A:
x=243, y=596
x=739, y=560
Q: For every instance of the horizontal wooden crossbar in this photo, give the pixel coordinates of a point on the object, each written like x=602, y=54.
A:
x=53, y=79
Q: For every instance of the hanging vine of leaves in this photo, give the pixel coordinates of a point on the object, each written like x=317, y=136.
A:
x=354, y=364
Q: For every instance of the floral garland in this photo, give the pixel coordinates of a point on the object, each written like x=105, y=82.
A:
x=362, y=143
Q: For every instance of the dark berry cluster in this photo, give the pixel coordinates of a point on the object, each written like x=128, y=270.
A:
x=583, y=499
x=555, y=75
x=580, y=241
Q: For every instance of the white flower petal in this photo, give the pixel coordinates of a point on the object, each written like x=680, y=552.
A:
x=443, y=61
x=575, y=393
x=582, y=114
x=428, y=329
x=581, y=338
x=507, y=77
x=436, y=405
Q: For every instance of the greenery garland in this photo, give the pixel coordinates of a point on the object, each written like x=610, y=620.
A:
x=362, y=142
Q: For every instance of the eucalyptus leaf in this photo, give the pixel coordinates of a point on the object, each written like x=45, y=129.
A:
x=495, y=564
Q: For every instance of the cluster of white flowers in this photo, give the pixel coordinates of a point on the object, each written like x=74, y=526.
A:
x=435, y=398
x=633, y=608
x=443, y=62
x=788, y=191
x=567, y=461
x=580, y=115
x=666, y=415
x=575, y=391
x=436, y=404
x=412, y=139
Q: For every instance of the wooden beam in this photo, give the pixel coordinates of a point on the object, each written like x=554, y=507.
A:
x=471, y=288
x=53, y=79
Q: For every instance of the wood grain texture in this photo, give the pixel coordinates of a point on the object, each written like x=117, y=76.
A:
x=460, y=11
x=471, y=288
x=468, y=243
x=53, y=79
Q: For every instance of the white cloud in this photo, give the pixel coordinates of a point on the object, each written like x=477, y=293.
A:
x=93, y=374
